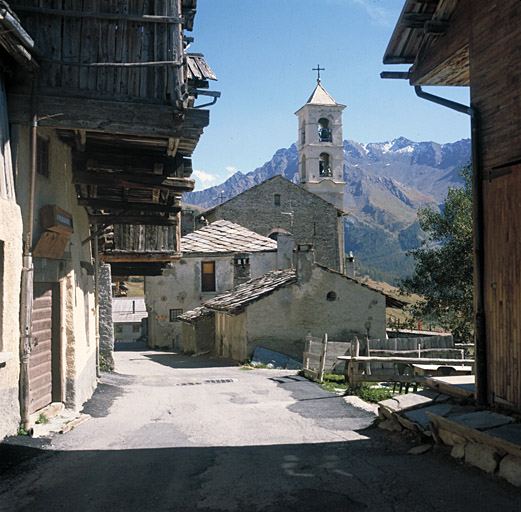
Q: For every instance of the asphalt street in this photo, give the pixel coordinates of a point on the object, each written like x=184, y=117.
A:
x=177, y=433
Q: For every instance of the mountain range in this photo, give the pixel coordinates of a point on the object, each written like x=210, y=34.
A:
x=386, y=183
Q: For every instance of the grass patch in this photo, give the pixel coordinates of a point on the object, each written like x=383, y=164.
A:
x=370, y=392
x=42, y=419
x=367, y=391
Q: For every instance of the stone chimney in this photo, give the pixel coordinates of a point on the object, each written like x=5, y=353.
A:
x=305, y=261
x=241, y=269
x=284, y=251
x=349, y=268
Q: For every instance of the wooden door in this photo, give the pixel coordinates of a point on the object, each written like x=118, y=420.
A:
x=40, y=361
x=502, y=286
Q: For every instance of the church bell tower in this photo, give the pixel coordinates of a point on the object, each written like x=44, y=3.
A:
x=320, y=146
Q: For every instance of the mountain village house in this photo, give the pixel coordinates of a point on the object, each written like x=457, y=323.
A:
x=215, y=259
x=96, y=144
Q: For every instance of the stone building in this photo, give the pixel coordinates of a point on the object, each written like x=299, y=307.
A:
x=129, y=313
x=312, y=211
x=277, y=310
x=215, y=258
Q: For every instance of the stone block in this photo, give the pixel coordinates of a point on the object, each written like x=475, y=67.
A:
x=420, y=450
x=482, y=456
x=410, y=400
x=449, y=438
x=458, y=451
x=419, y=416
x=482, y=420
x=510, y=470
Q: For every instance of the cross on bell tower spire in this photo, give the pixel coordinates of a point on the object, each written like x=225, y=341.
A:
x=318, y=69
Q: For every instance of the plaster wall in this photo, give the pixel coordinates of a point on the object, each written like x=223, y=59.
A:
x=180, y=288
x=77, y=315
x=312, y=219
x=11, y=231
x=281, y=320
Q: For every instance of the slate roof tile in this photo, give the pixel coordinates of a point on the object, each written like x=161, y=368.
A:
x=224, y=236
x=241, y=296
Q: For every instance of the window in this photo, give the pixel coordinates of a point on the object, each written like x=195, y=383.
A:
x=208, y=276
x=42, y=156
x=331, y=296
x=174, y=314
x=276, y=199
x=324, y=130
x=303, y=133
x=303, y=169
x=118, y=328
x=136, y=328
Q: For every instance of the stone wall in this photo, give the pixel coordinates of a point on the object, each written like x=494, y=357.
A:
x=306, y=216
x=180, y=288
x=106, y=324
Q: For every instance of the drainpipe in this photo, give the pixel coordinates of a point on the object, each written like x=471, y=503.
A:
x=96, y=297
x=480, y=336
x=26, y=305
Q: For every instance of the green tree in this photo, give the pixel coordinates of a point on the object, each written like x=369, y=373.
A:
x=443, y=275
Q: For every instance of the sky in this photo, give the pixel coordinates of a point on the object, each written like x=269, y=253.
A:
x=263, y=53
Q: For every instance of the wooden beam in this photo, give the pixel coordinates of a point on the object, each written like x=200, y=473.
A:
x=122, y=257
x=125, y=180
x=138, y=220
x=105, y=204
x=145, y=18
x=113, y=117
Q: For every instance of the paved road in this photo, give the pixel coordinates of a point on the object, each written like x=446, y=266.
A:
x=175, y=433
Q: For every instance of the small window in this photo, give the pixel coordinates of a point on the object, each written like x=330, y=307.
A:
x=118, y=328
x=276, y=199
x=136, y=328
x=208, y=276
x=42, y=156
x=331, y=296
x=174, y=314
x=303, y=169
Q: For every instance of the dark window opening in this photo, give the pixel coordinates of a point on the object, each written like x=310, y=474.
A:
x=276, y=199
x=324, y=130
x=331, y=296
x=174, y=314
x=136, y=328
x=208, y=276
x=42, y=156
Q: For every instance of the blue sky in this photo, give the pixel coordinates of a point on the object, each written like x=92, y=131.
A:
x=263, y=52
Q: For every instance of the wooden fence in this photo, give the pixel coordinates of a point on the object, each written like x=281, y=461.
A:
x=321, y=355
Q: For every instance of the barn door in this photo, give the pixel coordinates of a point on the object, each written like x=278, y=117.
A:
x=40, y=360
x=502, y=285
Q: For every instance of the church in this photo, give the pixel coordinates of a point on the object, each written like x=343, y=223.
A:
x=311, y=211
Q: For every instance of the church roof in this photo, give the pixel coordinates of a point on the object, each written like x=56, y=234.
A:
x=320, y=97
x=223, y=236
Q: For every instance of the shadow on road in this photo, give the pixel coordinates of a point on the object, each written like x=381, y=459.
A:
x=173, y=360
x=367, y=474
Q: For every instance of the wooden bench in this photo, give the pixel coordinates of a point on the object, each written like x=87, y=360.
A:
x=401, y=363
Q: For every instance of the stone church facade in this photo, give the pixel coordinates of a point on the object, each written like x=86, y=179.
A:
x=279, y=206
x=312, y=211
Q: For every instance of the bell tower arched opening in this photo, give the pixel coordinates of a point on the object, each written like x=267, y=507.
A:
x=324, y=130
x=324, y=165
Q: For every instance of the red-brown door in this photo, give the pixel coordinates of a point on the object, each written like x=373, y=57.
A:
x=40, y=361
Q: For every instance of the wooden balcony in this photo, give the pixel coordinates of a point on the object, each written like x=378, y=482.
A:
x=115, y=83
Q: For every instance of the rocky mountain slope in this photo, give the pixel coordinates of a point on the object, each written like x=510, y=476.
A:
x=386, y=183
